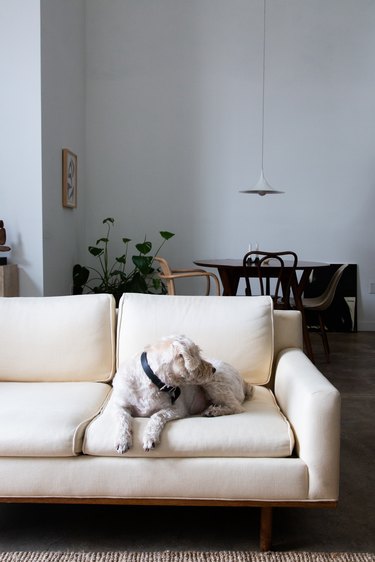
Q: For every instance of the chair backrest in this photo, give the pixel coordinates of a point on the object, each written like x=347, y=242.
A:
x=326, y=298
x=266, y=265
x=166, y=275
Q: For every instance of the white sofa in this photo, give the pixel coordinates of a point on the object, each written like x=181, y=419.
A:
x=59, y=355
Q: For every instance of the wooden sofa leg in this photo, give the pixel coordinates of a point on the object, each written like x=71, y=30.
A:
x=265, y=528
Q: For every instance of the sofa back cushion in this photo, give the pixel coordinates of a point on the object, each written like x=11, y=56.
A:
x=238, y=330
x=68, y=338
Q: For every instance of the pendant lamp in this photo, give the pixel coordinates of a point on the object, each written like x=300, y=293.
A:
x=262, y=187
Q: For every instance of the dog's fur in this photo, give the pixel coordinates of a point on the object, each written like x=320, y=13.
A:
x=209, y=388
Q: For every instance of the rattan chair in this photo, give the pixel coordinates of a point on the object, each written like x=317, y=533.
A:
x=169, y=276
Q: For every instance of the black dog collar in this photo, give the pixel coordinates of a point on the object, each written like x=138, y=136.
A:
x=173, y=391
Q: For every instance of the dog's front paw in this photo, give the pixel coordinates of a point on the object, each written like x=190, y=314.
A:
x=122, y=446
x=148, y=444
x=213, y=411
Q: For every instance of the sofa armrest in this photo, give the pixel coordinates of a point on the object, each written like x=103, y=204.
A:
x=312, y=405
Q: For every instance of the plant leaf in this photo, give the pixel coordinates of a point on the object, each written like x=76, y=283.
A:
x=143, y=263
x=166, y=235
x=95, y=251
x=119, y=273
x=126, y=240
x=80, y=275
x=144, y=248
x=123, y=278
x=121, y=259
x=137, y=284
x=109, y=219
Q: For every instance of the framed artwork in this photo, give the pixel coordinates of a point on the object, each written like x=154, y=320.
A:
x=69, y=179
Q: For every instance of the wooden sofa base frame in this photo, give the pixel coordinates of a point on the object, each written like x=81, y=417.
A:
x=265, y=539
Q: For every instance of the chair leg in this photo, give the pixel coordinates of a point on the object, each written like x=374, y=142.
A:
x=265, y=528
x=323, y=332
x=208, y=285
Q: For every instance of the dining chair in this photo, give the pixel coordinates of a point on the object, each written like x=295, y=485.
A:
x=322, y=302
x=267, y=265
x=169, y=276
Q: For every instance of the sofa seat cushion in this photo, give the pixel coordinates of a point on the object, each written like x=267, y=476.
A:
x=238, y=330
x=260, y=431
x=47, y=419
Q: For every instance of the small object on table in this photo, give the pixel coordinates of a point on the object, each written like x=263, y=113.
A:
x=3, y=238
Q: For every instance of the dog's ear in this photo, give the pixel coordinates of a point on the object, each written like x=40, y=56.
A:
x=189, y=353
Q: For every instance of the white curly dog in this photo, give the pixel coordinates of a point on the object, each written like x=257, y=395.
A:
x=149, y=384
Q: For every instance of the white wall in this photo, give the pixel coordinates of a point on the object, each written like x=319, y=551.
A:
x=63, y=119
x=174, y=126
x=42, y=53
x=20, y=140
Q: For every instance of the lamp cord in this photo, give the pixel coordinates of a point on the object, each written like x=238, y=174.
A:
x=264, y=77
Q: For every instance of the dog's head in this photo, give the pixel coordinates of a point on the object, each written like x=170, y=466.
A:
x=177, y=360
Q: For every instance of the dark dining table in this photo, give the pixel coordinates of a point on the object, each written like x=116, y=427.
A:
x=231, y=270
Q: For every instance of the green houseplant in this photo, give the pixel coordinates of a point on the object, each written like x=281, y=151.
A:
x=117, y=277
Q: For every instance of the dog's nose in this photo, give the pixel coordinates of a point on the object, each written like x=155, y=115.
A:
x=213, y=370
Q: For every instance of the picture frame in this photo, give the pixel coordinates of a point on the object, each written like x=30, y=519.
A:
x=69, y=179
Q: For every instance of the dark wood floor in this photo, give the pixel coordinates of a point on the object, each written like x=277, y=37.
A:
x=351, y=527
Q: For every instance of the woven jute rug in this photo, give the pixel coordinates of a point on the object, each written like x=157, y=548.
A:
x=189, y=556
